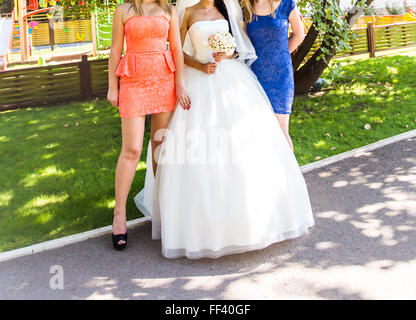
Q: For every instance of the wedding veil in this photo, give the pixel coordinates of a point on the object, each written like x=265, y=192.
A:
x=244, y=47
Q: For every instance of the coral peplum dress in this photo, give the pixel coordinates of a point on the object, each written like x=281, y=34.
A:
x=147, y=70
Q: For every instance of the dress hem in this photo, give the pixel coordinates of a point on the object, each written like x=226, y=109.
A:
x=208, y=253
x=147, y=113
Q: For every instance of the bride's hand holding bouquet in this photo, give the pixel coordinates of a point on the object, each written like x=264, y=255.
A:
x=223, y=45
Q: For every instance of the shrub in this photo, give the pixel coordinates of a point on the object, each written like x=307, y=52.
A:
x=393, y=10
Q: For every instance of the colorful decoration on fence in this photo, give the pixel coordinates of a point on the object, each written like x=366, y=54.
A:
x=67, y=29
x=32, y=25
x=16, y=32
x=33, y=5
x=80, y=37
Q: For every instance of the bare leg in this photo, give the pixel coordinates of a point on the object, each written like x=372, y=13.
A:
x=284, y=125
x=132, y=130
x=159, y=121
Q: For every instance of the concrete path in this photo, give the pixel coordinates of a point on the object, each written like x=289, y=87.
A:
x=362, y=247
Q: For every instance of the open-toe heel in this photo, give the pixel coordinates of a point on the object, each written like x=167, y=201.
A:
x=117, y=238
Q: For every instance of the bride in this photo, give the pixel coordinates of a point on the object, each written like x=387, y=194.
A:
x=227, y=180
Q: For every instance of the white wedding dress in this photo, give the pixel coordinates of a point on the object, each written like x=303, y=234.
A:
x=227, y=181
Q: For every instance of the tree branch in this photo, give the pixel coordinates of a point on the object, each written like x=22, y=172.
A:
x=307, y=75
x=356, y=12
x=305, y=47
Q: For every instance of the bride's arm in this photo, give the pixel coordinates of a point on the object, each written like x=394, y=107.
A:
x=182, y=96
x=207, y=67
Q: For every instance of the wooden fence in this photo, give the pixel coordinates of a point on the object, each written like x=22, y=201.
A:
x=59, y=83
x=68, y=31
x=86, y=79
x=377, y=38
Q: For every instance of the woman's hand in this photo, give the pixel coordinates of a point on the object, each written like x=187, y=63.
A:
x=209, y=67
x=219, y=56
x=112, y=96
x=182, y=97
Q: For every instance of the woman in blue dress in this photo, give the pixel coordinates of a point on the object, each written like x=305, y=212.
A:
x=267, y=24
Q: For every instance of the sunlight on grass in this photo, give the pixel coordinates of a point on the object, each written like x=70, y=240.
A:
x=49, y=155
x=393, y=70
x=320, y=144
x=141, y=165
x=52, y=145
x=42, y=201
x=45, y=126
x=44, y=217
x=56, y=180
x=38, y=203
x=90, y=107
x=109, y=203
x=52, y=170
x=377, y=94
x=111, y=153
x=358, y=90
x=55, y=231
x=33, y=179
x=4, y=139
x=33, y=136
x=5, y=197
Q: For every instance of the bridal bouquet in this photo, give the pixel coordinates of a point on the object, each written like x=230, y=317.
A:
x=222, y=42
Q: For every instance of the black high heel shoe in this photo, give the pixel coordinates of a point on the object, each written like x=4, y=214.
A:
x=117, y=238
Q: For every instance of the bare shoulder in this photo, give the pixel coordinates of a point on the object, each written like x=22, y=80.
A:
x=124, y=7
x=122, y=10
x=187, y=14
x=191, y=12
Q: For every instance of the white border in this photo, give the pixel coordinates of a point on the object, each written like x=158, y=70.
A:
x=57, y=243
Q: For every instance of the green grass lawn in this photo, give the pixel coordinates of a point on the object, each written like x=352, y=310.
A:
x=380, y=92
x=58, y=180
x=57, y=163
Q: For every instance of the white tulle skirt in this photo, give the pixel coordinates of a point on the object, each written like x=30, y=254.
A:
x=227, y=180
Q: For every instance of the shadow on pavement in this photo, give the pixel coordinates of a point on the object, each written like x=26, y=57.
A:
x=364, y=209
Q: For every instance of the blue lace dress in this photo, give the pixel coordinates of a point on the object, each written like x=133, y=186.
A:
x=273, y=66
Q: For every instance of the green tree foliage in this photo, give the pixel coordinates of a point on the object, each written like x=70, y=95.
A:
x=6, y=6
x=82, y=8
x=332, y=25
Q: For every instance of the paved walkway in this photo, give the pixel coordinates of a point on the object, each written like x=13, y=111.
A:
x=362, y=247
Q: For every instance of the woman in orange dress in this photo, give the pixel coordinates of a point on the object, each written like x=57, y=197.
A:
x=151, y=82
